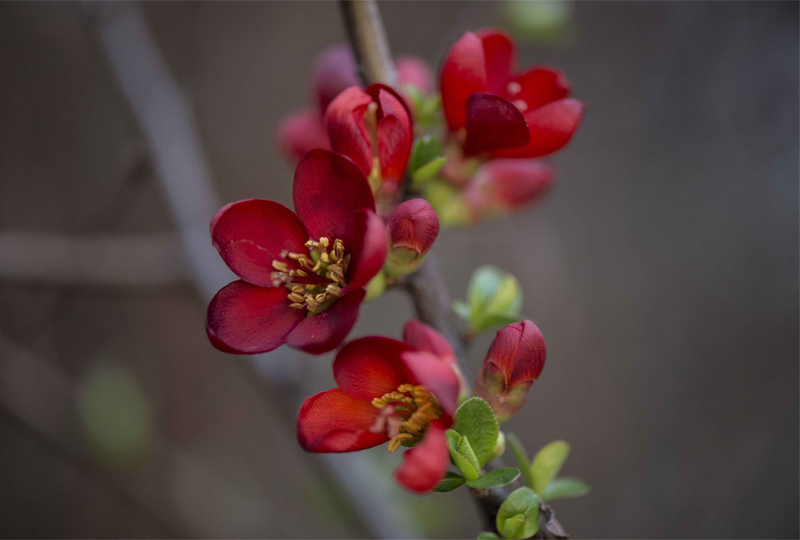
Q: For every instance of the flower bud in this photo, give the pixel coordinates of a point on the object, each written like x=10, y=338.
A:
x=412, y=227
x=513, y=363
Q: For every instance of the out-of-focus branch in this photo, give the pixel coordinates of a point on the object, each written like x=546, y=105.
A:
x=121, y=260
x=364, y=27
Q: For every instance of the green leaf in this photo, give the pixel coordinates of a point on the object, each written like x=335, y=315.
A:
x=547, y=463
x=461, y=309
x=476, y=421
x=522, y=501
x=512, y=526
x=496, y=478
x=488, y=536
x=450, y=482
x=497, y=321
x=522, y=459
x=428, y=171
x=494, y=297
x=463, y=455
x=426, y=150
x=564, y=488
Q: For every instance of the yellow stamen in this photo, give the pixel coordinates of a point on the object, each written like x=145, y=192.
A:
x=412, y=401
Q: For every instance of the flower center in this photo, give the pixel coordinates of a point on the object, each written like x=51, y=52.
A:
x=320, y=279
x=404, y=414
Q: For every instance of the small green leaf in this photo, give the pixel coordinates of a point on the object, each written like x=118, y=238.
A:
x=496, y=478
x=450, y=482
x=428, y=171
x=522, y=501
x=426, y=150
x=512, y=526
x=488, y=536
x=476, y=421
x=547, y=463
x=497, y=321
x=461, y=309
x=463, y=455
x=495, y=298
x=564, y=488
x=522, y=459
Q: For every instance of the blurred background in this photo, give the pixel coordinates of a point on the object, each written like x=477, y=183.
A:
x=662, y=271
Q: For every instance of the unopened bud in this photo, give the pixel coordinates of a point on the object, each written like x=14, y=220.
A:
x=514, y=361
x=505, y=185
x=412, y=227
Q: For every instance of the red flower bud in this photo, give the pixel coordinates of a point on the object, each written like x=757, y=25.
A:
x=513, y=363
x=503, y=185
x=334, y=70
x=412, y=227
x=413, y=71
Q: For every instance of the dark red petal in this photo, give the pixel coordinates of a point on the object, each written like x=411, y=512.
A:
x=424, y=338
x=507, y=184
x=332, y=421
x=395, y=135
x=519, y=352
x=300, y=132
x=538, y=87
x=494, y=122
x=344, y=122
x=374, y=90
x=329, y=193
x=414, y=71
x=500, y=53
x=425, y=465
x=438, y=376
x=334, y=70
x=323, y=332
x=250, y=234
x=463, y=73
x=368, y=255
x=369, y=367
x=551, y=127
x=248, y=319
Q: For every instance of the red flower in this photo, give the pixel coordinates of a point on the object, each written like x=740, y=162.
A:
x=513, y=363
x=491, y=110
x=373, y=128
x=302, y=276
x=388, y=392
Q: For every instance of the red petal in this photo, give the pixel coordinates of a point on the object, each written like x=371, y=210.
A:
x=344, y=121
x=507, y=184
x=369, y=367
x=463, y=73
x=538, y=87
x=424, y=338
x=250, y=234
x=332, y=421
x=329, y=193
x=334, y=70
x=301, y=132
x=437, y=376
x=519, y=352
x=323, y=332
x=414, y=71
x=368, y=255
x=494, y=122
x=500, y=54
x=413, y=224
x=395, y=135
x=425, y=465
x=247, y=319
x=551, y=127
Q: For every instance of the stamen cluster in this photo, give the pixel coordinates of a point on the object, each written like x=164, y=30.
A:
x=406, y=413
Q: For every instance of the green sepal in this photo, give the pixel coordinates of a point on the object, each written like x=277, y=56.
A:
x=565, y=488
x=522, y=501
x=521, y=456
x=376, y=286
x=499, y=446
x=450, y=482
x=488, y=536
x=512, y=526
x=476, y=421
x=463, y=455
x=496, y=478
x=547, y=463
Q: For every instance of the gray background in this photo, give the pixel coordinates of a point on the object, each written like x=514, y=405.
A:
x=662, y=270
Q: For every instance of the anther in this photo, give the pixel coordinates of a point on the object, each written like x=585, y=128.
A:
x=280, y=266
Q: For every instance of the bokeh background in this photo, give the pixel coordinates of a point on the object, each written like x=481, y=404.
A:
x=662, y=270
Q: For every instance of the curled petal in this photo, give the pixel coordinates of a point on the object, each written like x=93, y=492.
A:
x=250, y=234
x=424, y=338
x=369, y=367
x=395, y=132
x=414, y=71
x=493, y=123
x=436, y=375
x=551, y=128
x=332, y=421
x=247, y=319
x=329, y=194
x=323, y=332
x=463, y=74
x=368, y=255
x=334, y=70
x=344, y=121
x=425, y=464
x=537, y=87
x=413, y=224
x=500, y=53
x=300, y=133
